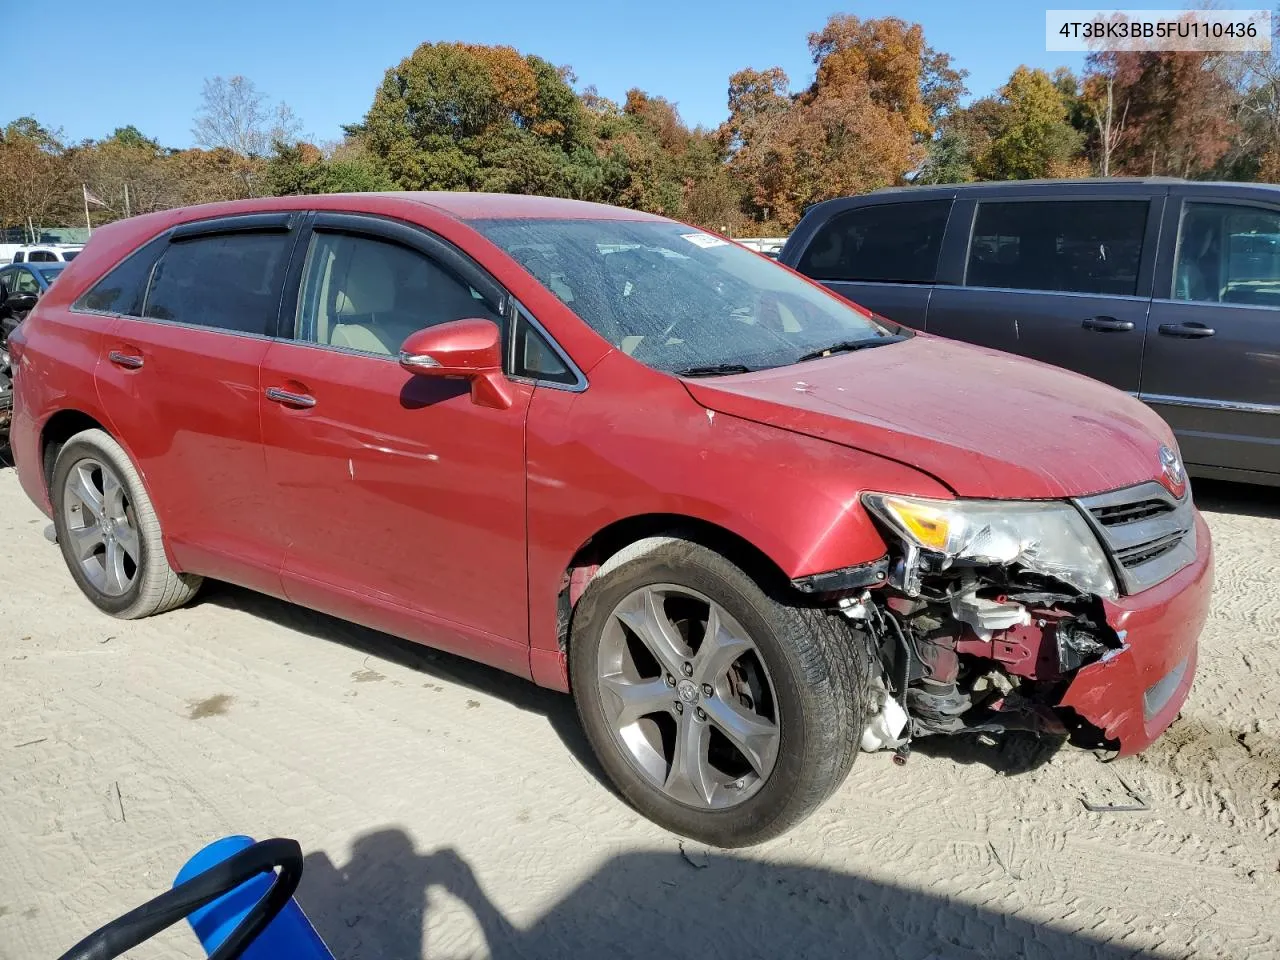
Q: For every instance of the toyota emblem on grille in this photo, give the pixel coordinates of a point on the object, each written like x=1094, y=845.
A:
x=1175, y=478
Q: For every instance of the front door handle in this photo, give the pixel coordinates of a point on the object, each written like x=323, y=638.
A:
x=127, y=360
x=1107, y=325
x=1186, y=331
x=290, y=399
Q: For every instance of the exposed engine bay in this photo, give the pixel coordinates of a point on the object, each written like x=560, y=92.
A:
x=973, y=649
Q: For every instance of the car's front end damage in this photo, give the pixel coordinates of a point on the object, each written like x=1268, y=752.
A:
x=1077, y=617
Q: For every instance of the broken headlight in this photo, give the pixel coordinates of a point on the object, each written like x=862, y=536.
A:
x=1045, y=537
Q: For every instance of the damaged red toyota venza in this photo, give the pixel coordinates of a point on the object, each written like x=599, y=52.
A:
x=751, y=526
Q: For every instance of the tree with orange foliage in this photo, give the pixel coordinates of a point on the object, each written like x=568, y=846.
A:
x=878, y=94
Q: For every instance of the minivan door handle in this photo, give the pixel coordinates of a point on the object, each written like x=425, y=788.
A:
x=290, y=399
x=1107, y=325
x=1186, y=331
x=127, y=360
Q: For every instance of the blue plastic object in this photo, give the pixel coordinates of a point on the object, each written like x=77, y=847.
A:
x=289, y=936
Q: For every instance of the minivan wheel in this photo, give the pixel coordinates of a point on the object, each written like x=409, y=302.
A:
x=108, y=531
x=718, y=712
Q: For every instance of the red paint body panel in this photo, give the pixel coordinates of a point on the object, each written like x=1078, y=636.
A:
x=593, y=461
x=397, y=496
x=1161, y=629
x=190, y=414
x=988, y=424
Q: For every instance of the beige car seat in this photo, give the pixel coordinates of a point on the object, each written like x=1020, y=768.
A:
x=368, y=289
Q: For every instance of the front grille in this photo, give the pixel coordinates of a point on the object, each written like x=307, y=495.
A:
x=1149, y=534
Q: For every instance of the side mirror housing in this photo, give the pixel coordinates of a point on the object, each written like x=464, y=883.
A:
x=461, y=349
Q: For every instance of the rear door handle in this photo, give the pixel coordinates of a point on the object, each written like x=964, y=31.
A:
x=127, y=360
x=1107, y=325
x=290, y=399
x=1186, y=331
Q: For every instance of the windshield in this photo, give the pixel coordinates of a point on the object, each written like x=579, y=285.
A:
x=679, y=299
x=50, y=273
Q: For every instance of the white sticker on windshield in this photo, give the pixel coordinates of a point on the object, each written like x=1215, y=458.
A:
x=704, y=240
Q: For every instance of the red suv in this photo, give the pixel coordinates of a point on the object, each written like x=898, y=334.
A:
x=751, y=526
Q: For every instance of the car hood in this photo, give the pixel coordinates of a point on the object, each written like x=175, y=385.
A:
x=985, y=423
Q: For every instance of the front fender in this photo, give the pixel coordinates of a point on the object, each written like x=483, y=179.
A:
x=593, y=462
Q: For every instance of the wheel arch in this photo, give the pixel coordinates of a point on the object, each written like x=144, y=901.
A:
x=57, y=430
x=620, y=534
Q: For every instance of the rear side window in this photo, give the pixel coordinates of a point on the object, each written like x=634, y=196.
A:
x=1073, y=246
x=123, y=289
x=888, y=243
x=42, y=256
x=228, y=281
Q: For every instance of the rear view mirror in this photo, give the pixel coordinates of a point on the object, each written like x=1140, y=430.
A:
x=468, y=349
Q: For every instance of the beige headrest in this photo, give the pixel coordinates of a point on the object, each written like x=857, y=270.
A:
x=370, y=283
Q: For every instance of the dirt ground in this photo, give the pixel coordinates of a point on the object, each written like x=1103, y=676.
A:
x=450, y=811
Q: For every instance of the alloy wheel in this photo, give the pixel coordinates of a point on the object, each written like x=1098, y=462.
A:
x=688, y=697
x=101, y=527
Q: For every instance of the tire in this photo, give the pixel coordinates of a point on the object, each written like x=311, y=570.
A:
x=147, y=585
x=817, y=681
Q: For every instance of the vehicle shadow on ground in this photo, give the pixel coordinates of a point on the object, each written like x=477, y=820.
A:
x=378, y=904
x=1245, y=499
x=1011, y=753
x=558, y=708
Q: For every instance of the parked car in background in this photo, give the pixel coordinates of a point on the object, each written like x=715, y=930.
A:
x=748, y=525
x=20, y=288
x=47, y=253
x=1166, y=289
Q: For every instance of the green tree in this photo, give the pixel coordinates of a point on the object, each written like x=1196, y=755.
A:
x=1032, y=136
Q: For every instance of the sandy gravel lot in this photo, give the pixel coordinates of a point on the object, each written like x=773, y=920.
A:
x=451, y=811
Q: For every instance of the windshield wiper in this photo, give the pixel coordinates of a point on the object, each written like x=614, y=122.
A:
x=713, y=370
x=848, y=346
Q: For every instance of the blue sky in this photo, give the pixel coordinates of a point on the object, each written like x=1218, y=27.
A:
x=96, y=65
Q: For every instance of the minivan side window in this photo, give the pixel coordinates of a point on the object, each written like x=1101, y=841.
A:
x=42, y=256
x=365, y=294
x=1228, y=253
x=122, y=290
x=227, y=281
x=1073, y=246
x=19, y=257
x=885, y=243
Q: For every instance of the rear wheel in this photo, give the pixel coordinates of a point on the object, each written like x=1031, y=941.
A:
x=718, y=711
x=108, y=531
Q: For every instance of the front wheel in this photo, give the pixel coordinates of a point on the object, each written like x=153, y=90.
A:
x=718, y=712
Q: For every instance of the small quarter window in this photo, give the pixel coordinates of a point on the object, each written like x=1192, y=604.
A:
x=535, y=358
x=123, y=289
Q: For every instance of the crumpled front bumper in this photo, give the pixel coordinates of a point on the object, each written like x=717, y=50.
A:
x=1134, y=693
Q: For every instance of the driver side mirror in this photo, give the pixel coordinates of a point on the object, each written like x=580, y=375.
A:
x=461, y=349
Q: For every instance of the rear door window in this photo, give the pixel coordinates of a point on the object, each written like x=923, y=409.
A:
x=1073, y=246
x=886, y=243
x=227, y=281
